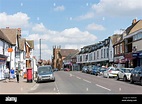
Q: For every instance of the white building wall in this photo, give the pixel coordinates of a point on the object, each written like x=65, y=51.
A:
x=1, y=47
x=111, y=52
x=13, y=58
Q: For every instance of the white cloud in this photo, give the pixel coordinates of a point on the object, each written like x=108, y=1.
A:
x=39, y=28
x=16, y=20
x=118, y=7
x=94, y=26
x=59, y=8
x=86, y=16
x=70, y=37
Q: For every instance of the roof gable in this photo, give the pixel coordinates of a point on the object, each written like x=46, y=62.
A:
x=66, y=52
x=11, y=34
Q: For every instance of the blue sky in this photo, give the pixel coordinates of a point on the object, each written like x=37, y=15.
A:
x=68, y=23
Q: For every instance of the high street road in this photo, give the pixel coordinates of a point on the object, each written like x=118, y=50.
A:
x=76, y=82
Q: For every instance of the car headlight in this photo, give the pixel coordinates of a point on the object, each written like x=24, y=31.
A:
x=40, y=77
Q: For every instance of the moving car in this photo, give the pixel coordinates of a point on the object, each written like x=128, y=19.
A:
x=45, y=73
x=124, y=74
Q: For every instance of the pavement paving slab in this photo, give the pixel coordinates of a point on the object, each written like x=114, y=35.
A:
x=12, y=87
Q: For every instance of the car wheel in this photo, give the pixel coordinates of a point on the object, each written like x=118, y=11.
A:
x=37, y=81
x=117, y=77
x=125, y=78
x=131, y=80
x=108, y=76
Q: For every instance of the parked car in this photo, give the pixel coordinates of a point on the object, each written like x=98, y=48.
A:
x=84, y=69
x=45, y=73
x=111, y=72
x=55, y=69
x=89, y=69
x=101, y=70
x=136, y=75
x=124, y=74
x=95, y=70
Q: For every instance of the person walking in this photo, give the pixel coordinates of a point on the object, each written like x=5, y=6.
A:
x=6, y=74
x=17, y=75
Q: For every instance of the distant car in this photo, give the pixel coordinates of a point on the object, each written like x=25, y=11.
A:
x=66, y=69
x=111, y=72
x=124, y=74
x=101, y=70
x=95, y=70
x=84, y=69
x=45, y=73
x=55, y=69
x=89, y=69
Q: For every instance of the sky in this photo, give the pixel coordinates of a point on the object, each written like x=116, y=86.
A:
x=71, y=24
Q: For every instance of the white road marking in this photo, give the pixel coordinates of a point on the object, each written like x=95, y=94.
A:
x=78, y=77
x=35, y=87
x=57, y=88
x=86, y=89
x=86, y=81
x=119, y=89
x=70, y=75
x=103, y=87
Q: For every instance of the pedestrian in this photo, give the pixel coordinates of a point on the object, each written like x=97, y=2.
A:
x=12, y=73
x=6, y=74
x=17, y=75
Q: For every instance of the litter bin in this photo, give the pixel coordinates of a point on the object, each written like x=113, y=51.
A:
x=29, y=75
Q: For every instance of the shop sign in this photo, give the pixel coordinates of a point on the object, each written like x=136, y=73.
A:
x=140, y=54
x=135, y=54
x=10, y=49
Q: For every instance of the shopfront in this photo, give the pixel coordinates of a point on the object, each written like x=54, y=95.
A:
x=3, y=59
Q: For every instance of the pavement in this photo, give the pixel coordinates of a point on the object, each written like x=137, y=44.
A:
x=12, y=87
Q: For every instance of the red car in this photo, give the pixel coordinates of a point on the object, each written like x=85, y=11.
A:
x=66, y=69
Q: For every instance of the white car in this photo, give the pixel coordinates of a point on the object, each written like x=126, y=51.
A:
x=111, y=72
x=124, y=74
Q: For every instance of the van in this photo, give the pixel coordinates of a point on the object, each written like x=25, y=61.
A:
x=45, y=73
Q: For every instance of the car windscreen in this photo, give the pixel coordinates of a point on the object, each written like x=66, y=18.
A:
x=44, y=70
x=127, y=70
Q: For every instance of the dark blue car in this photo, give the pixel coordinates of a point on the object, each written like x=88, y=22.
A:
x=95, y=70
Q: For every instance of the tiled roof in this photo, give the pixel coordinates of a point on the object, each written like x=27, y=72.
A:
x=11, y=34
x=3, y=37
x=134, y=27
x=31, y=43
x=66, y=52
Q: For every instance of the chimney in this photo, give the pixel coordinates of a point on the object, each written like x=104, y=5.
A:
x=134, y=21
x=19, y=32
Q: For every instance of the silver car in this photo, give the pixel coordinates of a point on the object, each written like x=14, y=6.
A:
x=124, y=74
x=111, y=72
x=45, y=73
